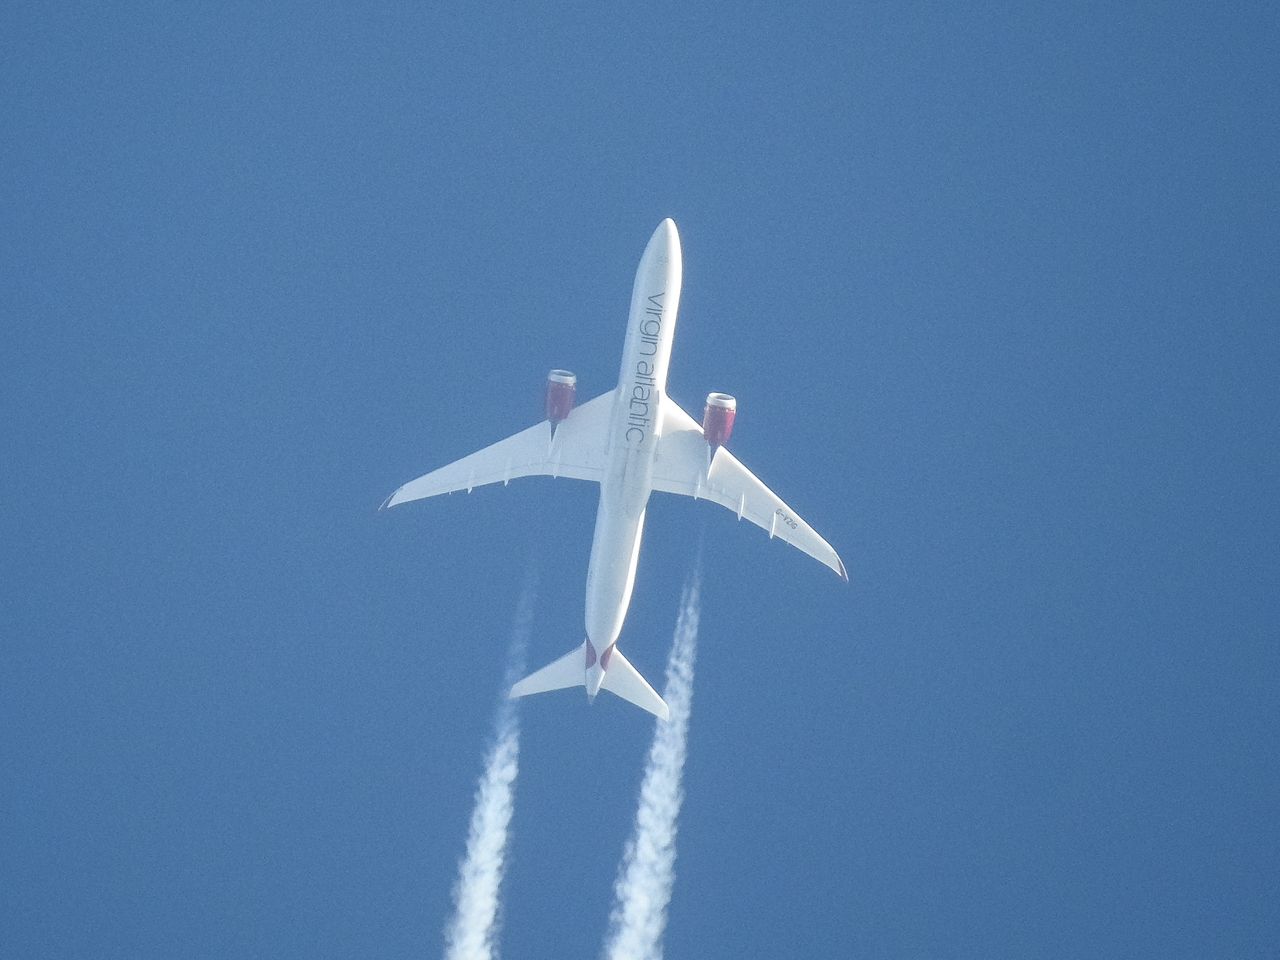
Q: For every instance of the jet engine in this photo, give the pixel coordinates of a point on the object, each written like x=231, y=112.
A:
x=717, y=418
x=561, y=389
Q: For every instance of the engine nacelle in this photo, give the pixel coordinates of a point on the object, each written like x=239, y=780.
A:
x=717, y=418
x=561, y=391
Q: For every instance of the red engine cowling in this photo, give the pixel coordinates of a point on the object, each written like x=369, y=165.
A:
x=561, y=390
x=717, y=418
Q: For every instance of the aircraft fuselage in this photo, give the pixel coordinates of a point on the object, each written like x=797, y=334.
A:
x=633, y=444
x=631, y=440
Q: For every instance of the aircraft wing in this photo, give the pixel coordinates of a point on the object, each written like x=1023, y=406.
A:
x=578, y=450
x=684, y=466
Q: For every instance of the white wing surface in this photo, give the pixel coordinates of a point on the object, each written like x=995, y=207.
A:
x=684, y=466
x=624, y=680
x=578, y=450
x=569, y=671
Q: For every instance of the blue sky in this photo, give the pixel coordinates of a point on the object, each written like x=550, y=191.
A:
x=996, y=289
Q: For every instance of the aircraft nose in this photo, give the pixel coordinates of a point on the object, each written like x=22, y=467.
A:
x=664, y=245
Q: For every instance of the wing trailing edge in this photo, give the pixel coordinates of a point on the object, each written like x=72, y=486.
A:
x=685, y=466
x=577, y=448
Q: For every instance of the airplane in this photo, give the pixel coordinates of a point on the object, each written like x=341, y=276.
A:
x=632, y=440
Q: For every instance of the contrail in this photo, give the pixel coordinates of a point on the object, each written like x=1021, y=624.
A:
x=643, y=888
x=472, y=932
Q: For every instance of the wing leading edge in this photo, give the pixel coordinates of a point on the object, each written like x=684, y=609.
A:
x=578, y=449
x=683, y=467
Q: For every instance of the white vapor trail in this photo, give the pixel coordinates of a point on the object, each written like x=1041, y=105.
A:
x=472, y=932
x=643, y=888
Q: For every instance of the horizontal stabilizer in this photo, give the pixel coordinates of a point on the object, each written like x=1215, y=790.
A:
x=568, y=671
x=624, y=680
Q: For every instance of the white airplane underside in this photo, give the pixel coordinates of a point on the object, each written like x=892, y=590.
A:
x=632, y=440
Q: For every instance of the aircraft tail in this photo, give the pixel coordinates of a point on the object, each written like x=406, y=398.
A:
x=621, y=679
x=624, y=680
x=568, y=671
